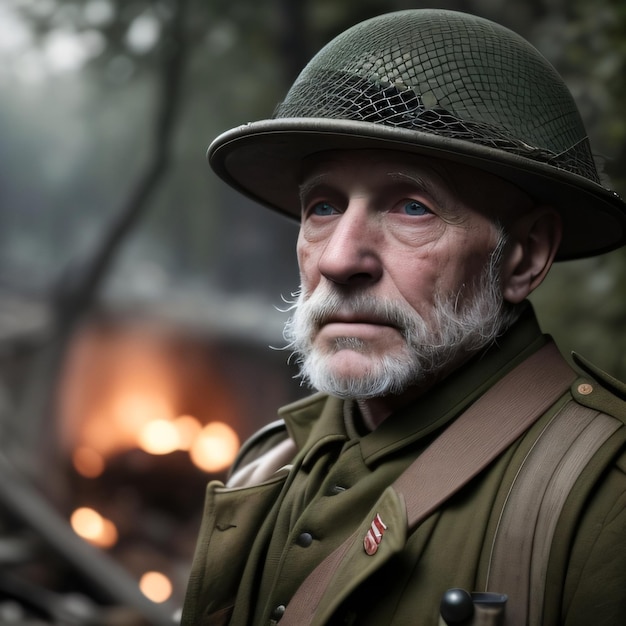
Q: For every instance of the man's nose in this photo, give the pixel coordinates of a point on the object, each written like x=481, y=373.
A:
x=351, y=255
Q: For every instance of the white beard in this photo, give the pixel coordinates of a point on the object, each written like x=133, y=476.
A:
x=429, y=348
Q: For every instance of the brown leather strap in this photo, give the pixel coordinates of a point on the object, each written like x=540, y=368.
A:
x=486, y=429
x=463, y=450
x=534, y=504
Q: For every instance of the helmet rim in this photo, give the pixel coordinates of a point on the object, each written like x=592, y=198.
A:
x=263, y=161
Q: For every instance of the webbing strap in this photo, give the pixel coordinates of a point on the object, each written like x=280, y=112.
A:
x=521, y=545
x=462, y=451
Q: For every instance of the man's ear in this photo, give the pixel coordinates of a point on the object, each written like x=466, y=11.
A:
x=534, y=239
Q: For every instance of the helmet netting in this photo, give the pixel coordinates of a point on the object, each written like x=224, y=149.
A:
x=448, y=75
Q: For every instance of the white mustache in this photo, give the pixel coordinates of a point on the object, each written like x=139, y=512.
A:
x=327, y=305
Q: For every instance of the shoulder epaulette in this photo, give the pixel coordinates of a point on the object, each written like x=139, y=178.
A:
x=606, y=380
x=599, y=390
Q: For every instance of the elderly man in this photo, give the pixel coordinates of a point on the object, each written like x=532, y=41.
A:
x=453, y=468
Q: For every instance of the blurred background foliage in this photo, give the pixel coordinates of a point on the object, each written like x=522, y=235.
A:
x=107, y=206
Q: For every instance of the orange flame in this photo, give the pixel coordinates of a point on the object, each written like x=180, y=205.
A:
x=125, y=388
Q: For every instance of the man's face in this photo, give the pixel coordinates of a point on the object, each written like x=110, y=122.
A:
x=389, y=241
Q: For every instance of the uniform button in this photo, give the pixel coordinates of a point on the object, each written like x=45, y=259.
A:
x=305, y=540
x=278, y=612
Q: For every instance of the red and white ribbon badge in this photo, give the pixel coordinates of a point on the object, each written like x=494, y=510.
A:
x=374, y=535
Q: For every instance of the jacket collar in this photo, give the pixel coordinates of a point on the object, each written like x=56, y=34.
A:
x=319, y=419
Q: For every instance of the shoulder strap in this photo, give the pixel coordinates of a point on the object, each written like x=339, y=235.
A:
x=534, y=503
x=462, y=451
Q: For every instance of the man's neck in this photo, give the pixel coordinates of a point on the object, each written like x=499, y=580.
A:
x=376, y=410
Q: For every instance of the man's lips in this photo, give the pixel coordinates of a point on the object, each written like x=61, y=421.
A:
x=355, y=326
x=357, y=319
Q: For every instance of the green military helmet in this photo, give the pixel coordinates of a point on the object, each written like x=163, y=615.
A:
x=435, y=83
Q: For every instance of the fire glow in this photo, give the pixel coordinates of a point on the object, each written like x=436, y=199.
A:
x=93, y=527
x=156, y=586
x=139, y=405
x=124, y=390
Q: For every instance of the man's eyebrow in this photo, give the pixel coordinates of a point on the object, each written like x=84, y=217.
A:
x=309, y=184
x=421, y=181
x=445, y=199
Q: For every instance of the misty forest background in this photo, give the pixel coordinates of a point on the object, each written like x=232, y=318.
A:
x=107, y=206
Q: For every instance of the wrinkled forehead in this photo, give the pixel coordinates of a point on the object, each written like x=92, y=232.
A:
x=375, y=162
x=453, y=182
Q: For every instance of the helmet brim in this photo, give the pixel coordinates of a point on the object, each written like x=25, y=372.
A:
x=263, y=161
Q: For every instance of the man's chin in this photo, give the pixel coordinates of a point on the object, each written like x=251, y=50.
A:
x=350, y=363
x=350, y=373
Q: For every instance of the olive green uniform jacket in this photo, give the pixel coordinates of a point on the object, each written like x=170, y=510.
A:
x=262, y=535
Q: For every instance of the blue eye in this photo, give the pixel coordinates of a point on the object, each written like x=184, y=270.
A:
x=323, y=208
x=413, y=207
